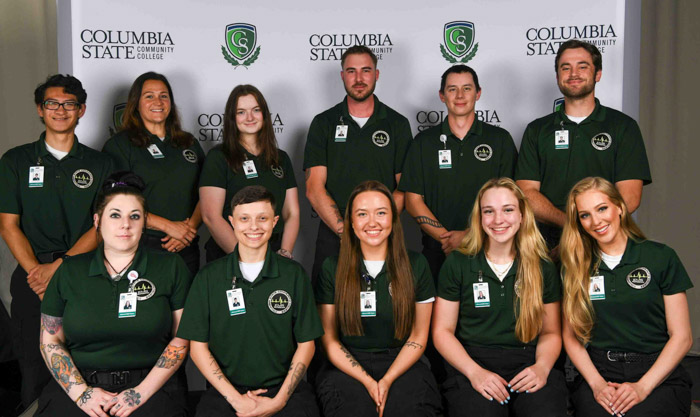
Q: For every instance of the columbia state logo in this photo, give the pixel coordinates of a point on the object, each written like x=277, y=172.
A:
x=639, y=278
x=601, y=141
x=144, y=289
x=277, y=171
x=483, y=152
x=380, y=138
x=458, y=42
x=241, y=39
x=82, y=178
x=279, y=302
x=190, y=155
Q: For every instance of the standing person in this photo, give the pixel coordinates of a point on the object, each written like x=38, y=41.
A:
x=628, y=338
x=253, y=354
x=497, y=313
x=358, y=139
x=375, y=301
x=248, y=156
x=447, y=164
x=109, y=319
x=582, y=139
x=48, y=188
x=153, y=145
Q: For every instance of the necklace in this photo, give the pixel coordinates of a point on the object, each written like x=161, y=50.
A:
x=504, y=268
x=119, y=273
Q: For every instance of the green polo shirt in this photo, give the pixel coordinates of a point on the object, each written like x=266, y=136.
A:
x=632, y=316
x=607, y=144
x=374, y=152
x=171, y=181
x=492, y=326
x=485, y=152
x=54, y=215
x=253, y=349
x=87, y=298
x=379, y=330
x=217, y=173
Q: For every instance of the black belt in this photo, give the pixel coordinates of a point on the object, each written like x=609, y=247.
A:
x=115, y=378
x=624, y=357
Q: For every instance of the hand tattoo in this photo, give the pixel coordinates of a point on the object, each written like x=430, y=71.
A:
x=132, y=398
x=427, y=220
x=413, y=345
x=51, y=324
x=84, y=397
x=170, y=357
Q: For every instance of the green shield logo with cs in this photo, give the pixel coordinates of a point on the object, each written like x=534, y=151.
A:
x=459, y=37
x=241, y=39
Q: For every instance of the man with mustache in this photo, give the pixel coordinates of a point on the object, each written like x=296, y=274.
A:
x=358, y=139
x=582, y=139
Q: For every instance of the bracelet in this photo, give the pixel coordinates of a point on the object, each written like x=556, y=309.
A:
x=285, y=253
x=81, y=395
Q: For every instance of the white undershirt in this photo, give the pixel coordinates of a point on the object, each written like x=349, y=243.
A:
x=611, y=261
x=576, y=119
x=161, y=139
x=250, y=271
x=375, y=267
x=55, y=152
x=500, y=267
x=360, y=120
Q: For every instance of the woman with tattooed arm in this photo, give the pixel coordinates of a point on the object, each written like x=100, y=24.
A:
x=109, y=318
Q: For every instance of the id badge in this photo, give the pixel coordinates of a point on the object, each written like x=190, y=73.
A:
x=127, y=305
x=368, y=304
x=249, y=169
x=36, y=176
x=561, y=139
x=341, y=133
x=155, y=152
x=481, y=294
x=236, y=303
x=596, y=288
x=445, y=159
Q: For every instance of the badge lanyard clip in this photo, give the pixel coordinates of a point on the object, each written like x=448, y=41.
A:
x=233, y=283
x=443, y=139
x=481, y=276
x=131, y=282
x=368, y=280
x=342, y=123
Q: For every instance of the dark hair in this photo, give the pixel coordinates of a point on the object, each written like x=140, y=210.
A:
x=70, y=84
x=133, y=124
x=233, y=150
x=357, y=50
x=589, y=47
x=252, y=194
x=459, y=69
x=121, y=183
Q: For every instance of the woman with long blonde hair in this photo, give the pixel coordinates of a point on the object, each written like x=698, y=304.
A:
x=375, y=300
x=496, y=319
x=626, y=321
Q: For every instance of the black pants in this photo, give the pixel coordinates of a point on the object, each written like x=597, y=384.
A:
x=670, y=399
x=189, y=254
x=169, y=401
x=463, y=400
x=26, y=312
x=214, y=251
x=414, y=393
x=327, y=244
x=302, y=403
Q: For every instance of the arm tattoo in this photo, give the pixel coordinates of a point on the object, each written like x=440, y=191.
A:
x=298, y=374
x=84, y=397
x=61, y=368
x=427, y=220
x=352, y=359
x=132, y=398
x=51, y=324
x=170, y=357
x=307, y=174
x=414, y=345
x=217, y=372
x=338, y=217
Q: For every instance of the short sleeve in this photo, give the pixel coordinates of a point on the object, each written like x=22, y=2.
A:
x=290, y=179
x=307, y=324
x=194, y=324
x=325, y=284
x=675, y=278
x=509, y=157
x=315, y=149
x=551, y=289
x=215, y=170
x=201, y=156
x=412, y=172
x=119, y=155
x=404, y=137
x=182, y=281
x=631, y=161
x=53, y=303
x=424, y=285
x=528, y=165
x=450, y=283
x=9, y=186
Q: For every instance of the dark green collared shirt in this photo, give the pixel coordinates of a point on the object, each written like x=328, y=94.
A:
x=88, y=300
x=374, y=152
x=607, y=144
x=54, y=215
x=485, y=152
x=494, y=325
x=253, y=349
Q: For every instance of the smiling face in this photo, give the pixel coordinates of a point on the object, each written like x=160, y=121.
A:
x=121, y=223
x=60, y=120
x=372, y=223
x=253, y=223
x=359, y=76
x=576, y=75
x=460, y=94
x=154, y=103
x=500, y=215
x=600, y=218
x=249, y=116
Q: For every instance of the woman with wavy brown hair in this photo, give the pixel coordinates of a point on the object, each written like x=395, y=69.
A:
x=496, y=318
x=375, y=300
x=626, y=320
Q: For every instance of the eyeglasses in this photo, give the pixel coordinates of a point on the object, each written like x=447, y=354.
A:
x=67, y=106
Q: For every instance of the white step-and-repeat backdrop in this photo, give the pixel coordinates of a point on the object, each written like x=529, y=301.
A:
x=291, y=51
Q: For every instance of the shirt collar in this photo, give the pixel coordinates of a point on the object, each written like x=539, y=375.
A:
x=598, y=114
x=270, y=268
x=629, y=257
x=476, y=129
x=41, y=151
x=482, y=265
x=378, y=113
x=97, y=264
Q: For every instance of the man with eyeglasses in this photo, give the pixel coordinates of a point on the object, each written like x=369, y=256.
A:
x=48, y=188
